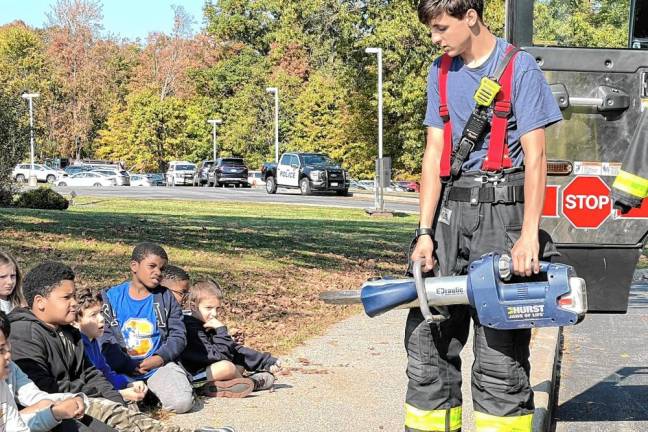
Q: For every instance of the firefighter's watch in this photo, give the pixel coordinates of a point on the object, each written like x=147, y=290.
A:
x=424, y=231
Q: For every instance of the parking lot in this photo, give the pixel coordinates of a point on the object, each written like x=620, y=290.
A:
x=403, y=203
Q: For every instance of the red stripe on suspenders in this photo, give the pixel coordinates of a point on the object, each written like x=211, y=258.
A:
x=446, y=62
x=498, y=151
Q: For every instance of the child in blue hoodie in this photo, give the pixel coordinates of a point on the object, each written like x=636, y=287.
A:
x=144, y=333
x=90, y=322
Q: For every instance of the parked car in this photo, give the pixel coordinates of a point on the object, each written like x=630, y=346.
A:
x=354, y=184
x=73, y=169
x=121, y=176
x=87, y=178
x=307, y=172
x=140, y=180
x=255, y=178
x=201, y=177
x=147, y=180
x=180, y=173
x=367, y=184
x=410, y=186
x=43, y=173
x=157, y=179
x=228, y=170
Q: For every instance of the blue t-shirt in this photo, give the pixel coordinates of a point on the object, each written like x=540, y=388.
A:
x=137, y=322
x=533, y=104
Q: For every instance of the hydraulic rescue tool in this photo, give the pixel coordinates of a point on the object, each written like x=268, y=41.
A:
x=555, y=297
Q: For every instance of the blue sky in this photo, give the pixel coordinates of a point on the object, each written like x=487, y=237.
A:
x=127, y=18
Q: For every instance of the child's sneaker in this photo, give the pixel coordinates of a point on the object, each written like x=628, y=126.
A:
x=234, y=388
x=262, y=380
x=276, y=367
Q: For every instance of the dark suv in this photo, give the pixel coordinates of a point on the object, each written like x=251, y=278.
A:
x=202, y=173
x=228, y=170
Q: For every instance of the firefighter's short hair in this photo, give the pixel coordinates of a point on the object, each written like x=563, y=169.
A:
x=430, y=9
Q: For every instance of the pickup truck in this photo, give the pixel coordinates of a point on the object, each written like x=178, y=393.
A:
x=307, y=172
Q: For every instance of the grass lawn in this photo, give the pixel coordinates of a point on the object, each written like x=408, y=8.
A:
x=272, y=260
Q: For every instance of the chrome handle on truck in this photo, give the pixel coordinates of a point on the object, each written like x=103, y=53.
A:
x=606, y=99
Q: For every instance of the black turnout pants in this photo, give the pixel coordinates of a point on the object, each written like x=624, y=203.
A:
x=500, y=373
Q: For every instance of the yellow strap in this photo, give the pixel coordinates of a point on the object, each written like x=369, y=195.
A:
x=432, y=420
x=491, y=423
x=631, y=184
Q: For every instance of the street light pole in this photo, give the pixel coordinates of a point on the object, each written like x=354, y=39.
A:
x=30, y=97
x=275, y=91
x=379, y=195
x=214, y=123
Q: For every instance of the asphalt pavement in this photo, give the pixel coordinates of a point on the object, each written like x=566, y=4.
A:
x=351, y=379
x=403, y=202
x=604, y=371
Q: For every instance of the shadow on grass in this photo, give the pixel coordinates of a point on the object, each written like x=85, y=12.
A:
x=318, y=242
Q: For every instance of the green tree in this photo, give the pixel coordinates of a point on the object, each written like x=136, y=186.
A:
x=148, y=132
x=14, y=141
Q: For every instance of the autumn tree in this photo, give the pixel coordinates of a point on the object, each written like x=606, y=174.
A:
x=74, y=27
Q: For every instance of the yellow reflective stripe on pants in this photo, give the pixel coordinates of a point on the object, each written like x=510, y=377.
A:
x=631, y=184
x=491, y=423
x=433, y=420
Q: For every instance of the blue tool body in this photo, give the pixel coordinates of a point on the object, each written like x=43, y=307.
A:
x=500, y=304
x=504, y=305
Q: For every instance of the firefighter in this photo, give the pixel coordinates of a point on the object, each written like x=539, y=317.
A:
x=482, y=190
x=630, y=187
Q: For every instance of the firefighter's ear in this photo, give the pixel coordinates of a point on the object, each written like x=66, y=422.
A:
x=471, y=17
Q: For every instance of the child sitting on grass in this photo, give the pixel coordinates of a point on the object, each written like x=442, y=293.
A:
x=176, y=280
x=41, y=411
x=144, y=334
x=10, y=284
x=210, y=348
x=90, y=322
x=50, y=351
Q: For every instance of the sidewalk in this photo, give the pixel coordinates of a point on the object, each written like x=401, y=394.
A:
x=350, y=379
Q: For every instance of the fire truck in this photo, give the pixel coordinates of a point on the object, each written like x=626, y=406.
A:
x=602, y=93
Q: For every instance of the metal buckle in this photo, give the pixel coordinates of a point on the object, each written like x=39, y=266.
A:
x=494, y=178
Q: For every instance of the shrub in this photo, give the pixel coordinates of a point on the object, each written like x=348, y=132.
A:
x=6, y=198
x=42, y=198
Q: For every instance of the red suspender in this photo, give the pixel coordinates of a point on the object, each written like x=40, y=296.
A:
x=498, y=152
x=446, y=62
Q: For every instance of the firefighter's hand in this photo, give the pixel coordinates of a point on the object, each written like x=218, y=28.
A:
x=424, y=249
x=524, y=255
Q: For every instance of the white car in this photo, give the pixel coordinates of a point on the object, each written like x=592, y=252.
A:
x=43, y=173
x=180, y=173
x=87, y=178
x=140, y=180
x=255, y=178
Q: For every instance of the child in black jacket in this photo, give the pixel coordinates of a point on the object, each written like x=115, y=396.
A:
x=211, y=349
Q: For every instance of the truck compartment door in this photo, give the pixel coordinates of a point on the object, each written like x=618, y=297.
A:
x=598, y=80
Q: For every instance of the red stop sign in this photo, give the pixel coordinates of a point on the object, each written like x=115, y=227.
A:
x=586, y=202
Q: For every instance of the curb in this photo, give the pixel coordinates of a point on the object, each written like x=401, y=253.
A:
x=545, y=352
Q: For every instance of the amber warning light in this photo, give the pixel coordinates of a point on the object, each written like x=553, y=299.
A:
x=559, y=167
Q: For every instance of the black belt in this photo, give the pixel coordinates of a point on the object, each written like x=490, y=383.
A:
x=493, y=194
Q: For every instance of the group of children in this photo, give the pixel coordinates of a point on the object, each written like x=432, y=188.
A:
x=85, y=361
